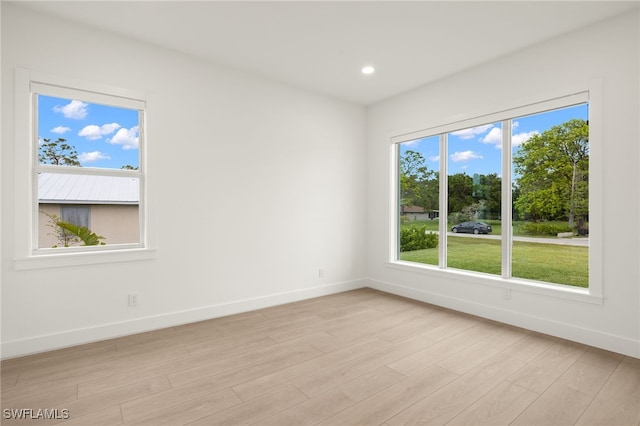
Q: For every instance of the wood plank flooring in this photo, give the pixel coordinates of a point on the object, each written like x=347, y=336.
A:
x=357, y=358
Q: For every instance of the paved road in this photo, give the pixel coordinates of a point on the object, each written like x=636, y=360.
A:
x=580, y=242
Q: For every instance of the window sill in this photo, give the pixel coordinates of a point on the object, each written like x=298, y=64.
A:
x=59, y=260
x=514, y=284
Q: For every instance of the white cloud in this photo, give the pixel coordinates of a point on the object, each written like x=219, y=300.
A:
x=434, y=158
x=93, y=132
x=520, y=138
x=107, y=129
x=472, y=132
x=127, y=138
x=456, y=157
x=89, y=157
x=60, y=130
x=74, y=109
x=494, y=136
x=411, y=143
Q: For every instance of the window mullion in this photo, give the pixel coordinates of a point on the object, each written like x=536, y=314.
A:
x=35, y=159
x=506, y=213
x=443, y=203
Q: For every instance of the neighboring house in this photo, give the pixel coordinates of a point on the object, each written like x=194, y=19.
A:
x=107, y=205
x=418, y=213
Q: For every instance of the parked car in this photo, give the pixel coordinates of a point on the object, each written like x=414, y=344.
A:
x=472, y=228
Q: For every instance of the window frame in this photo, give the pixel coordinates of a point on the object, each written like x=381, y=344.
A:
x=28, y=84
x=595, y=292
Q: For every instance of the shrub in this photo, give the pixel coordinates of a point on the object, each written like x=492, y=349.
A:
x=431, y=239
x=545, y=228
x=417, y=238
x=69, y=234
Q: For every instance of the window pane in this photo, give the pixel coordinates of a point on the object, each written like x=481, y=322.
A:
x=77, y=215
x=551, y=196
x=418, y=202
x=80, y=134
x=107, y=205
x=474, y=199
x=87, y=207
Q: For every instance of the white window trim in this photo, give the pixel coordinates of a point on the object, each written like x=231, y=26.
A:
x=595, y=292
x=26, y=254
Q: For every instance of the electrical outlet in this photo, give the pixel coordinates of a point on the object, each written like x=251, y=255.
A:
x=507, y=294
x=321, y=273
x=133, y=299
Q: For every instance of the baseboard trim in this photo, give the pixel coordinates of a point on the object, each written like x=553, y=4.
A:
x=33, y=345
x=607, y=341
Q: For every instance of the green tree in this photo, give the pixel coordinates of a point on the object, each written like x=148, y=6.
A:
x=412, y=171
x=460, y=192
x=430, y=192
x=58, y=152
x=418, y=184
x=487, y=192
x=515, y=194
x=553, y=170
x=128, y=167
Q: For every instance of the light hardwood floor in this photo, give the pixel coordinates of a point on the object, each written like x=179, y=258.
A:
x=356, y=358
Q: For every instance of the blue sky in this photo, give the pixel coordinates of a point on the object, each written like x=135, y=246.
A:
x=104, y=136
x=478, y=149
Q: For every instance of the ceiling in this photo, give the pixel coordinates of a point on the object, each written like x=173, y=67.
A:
x=322, y=46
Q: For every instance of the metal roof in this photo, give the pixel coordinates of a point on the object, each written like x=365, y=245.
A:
x=61, y=188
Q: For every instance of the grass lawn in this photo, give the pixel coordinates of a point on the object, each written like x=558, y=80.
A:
x=543, y=262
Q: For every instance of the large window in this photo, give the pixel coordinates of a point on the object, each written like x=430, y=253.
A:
x=507, y=198
x=87, y=170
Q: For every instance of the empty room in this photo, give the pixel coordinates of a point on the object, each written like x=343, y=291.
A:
x=320, y=213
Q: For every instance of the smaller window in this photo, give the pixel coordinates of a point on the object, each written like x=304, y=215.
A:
x=87, y=172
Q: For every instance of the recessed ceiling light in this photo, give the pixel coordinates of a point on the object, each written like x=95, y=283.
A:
x=368, y=70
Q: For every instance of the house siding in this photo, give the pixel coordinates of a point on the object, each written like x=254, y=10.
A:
x=117, y=223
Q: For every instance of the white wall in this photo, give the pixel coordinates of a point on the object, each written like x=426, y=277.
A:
x=562, y=66
x=224, y=145
x=224, y=148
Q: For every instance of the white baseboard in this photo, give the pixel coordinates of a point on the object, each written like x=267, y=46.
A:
x=32, y=345
x=614, y=343
x=607, y=341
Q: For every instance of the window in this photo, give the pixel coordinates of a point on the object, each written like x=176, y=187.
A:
x=513, y=195
x=87, y=168
x=550, y=197
x=77, y=215
x=419, y=198
x=80, y=168
x=474, y=199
